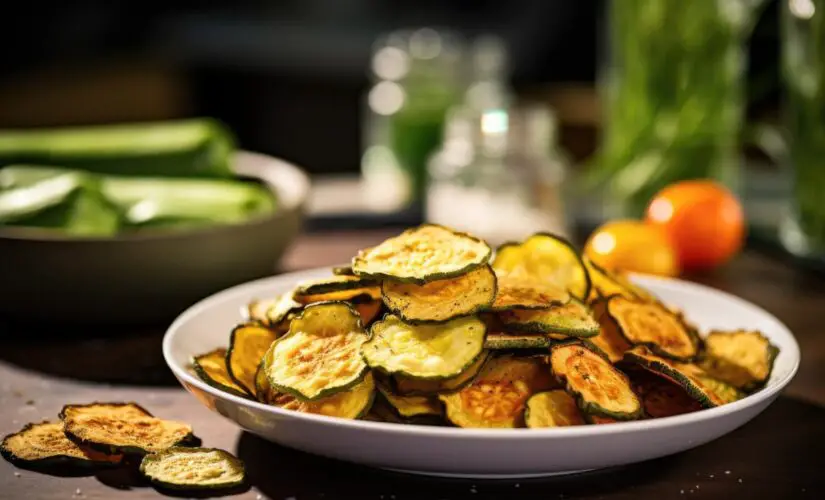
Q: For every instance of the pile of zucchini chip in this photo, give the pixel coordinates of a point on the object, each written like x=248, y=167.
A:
x=104, y=435
x=432, y=327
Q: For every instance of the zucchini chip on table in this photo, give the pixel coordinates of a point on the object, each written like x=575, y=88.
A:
x=552, y=409
x=45, y=445
x=407, y=386
x=248, y=343
x=598, y=387
x=741, y=358
x=654, y=326
x=519, y=292
x=441, y=300
x=423, y=254
x=320, y=355
x=497, y=396
x=424, y=351
x=193, y=469
x=211, y=368
x=573, y=319
x=545, y=257
x=115, y=428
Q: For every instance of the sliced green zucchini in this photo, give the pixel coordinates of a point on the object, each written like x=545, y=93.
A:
x=423, y=254
x=272, y=312
x=519, y=292
x=248, y=343
x=352, y=404
x=609, y=340
x=546, y=257
x=708, y=391
x=45, y=445
x=407, y=386
x=742, y=358
x=122, y=428
x=441, y=300
x=497, y=396
x=573, y=319
x=499, y=341
x=211, y=368
x=411, y=406
x=180, y=468
x=320, y=355
x=661, y=397
x=332, y=284
x=652, y=325
x=429, y=352
x=553, y=408
x=599, y=388
x=607, y=283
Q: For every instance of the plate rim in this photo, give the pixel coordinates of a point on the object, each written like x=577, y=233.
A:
x=766, y=394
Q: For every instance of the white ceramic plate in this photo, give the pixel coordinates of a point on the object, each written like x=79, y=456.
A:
x=479, y=452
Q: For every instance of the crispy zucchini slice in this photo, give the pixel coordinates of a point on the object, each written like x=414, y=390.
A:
x=343, y=271
x=741, y=358
x=553, y=408
x=499, y=341
x=368, y=310
x=411, y=406
x=116, y=428
x=652, y=325
x=248, y=343
x=353, y=296
x=429, y=352
x=607, y=283
x=180, y=468
x=272, y=312
x=661, y=397
x=353, y=403
x=708, y=391
x=520, y=292
x=599, y=420
x=211, y=368
x=332, y=284
x=44, y=445
x=419, y=255
x=546, y=257
x=573, y=319
x=441, y=300
x=416, y=387
x=609, y=340
x=599, y=388
x=320, y=355
x=496, y=398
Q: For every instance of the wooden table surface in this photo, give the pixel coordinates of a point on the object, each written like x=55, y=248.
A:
x=777, y=455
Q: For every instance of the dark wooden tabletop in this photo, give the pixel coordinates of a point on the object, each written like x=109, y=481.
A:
x=777, y=455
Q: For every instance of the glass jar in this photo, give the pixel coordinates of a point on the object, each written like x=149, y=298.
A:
x=803, y=70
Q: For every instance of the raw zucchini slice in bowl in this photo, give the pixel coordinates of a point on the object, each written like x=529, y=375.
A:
x=180, y=468
x=407, y=386
x=553, y=408
x=598, y=387
x=441, y=300
x=211, y=368
x=496, y=398
x=653, y=325
x=320, y=355
x=428, y=352
x=741, y=358
x=519, y=292
x=545, y=257
x=248, y=343
x=573, y=319
x=44, y=445
x=423, y=254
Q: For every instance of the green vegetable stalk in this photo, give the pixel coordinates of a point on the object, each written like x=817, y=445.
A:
x=673, y=95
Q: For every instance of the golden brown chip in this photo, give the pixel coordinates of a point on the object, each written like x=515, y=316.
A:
x=521, y=292
x=45, y=444
x=211, y=368
x=247, y=345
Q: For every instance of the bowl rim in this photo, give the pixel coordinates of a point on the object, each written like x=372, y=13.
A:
x=273, y=182
x=766, y=394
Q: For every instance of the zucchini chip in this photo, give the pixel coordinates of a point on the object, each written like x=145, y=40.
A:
x=552, y=409
x=272, y=312
x=247, y=345
x=497, y=396
x=44, y=445
x=609, y=340
x=416, y=387
x=654, y=326
x=211, y=368
x=519, y=292
x=423, y=254
x=499, y=341
x=599, y=388
x=320, y=355
x=115, y=428
x=599, y=420
x=343, y=271
x=332, y=284
x=193, y=469
x=350, y=404
x=708, y=391
x=381, y=411
x=573, y=319
x=441, y=300
x=742, y=358
x=607, y=283
x=548, y=258
x=353, y=296
x=411, y=406
x=427, y=352
x=661, y=397
x=368, y=310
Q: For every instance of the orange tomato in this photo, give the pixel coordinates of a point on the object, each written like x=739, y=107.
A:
x=704, y=221
x=630, y=245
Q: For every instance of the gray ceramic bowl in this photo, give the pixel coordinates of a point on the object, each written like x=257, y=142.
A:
x=148, y=278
